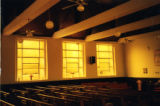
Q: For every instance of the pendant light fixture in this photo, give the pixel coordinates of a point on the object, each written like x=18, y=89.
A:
x=49, y=23
x=80, y=5
x=80, y=8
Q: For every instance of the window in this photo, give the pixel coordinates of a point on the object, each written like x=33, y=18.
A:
x=105, y=60
x=73, y=60
x=31, y=60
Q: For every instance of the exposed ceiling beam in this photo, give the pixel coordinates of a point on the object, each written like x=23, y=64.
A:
x=114, y=13
x=154, y=20
x=33, y=11
x=139, y=36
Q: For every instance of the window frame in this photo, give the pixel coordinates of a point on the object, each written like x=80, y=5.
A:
x=83, y=60
x=45, y=59
x=113, y=58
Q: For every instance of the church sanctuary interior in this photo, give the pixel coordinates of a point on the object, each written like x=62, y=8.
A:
x=80, y=53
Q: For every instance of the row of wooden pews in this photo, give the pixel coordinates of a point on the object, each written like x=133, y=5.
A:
x=17, y=98
x=4, y=103
x=71, y=95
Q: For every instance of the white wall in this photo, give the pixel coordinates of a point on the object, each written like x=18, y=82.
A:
x=140, y=54
x=55, y=59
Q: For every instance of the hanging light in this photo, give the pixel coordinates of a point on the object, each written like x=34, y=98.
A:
x=80, y=8
x=49, y=24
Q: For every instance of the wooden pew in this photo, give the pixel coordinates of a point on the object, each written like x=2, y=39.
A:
x=42, y=90
x=47, y=88
x=82, y=97
x=28, y=94
x=99, y=96
x=77, y=97
x=4, y=94
x=60, y=88
x=78, y=92
x=54, y=97
x=5, y=103
x=57, y=100
x=29, y=101
x=64, y=95
x=34, y=90
x=9, y=97
x=22, y=92
x=91, y=91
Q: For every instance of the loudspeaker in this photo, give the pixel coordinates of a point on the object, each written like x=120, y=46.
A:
x=92, y=59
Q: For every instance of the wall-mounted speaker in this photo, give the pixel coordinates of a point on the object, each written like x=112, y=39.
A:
x=92, y=59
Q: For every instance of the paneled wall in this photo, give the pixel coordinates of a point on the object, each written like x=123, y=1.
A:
x=55, y=59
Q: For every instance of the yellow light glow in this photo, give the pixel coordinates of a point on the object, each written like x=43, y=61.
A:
x=105, y=60
x=31, y=60
x=80, y=8
x=49, y=24
x=73, y=60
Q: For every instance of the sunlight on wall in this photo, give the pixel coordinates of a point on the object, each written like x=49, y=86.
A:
x=140, y=57
x=105, y=60
x=73, y=60
x=31, y=60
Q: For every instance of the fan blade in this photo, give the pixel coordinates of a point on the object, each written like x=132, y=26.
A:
x=84, y=3
x=78, y=2
x=69, y=6
x=29, y=34
x=72, y=1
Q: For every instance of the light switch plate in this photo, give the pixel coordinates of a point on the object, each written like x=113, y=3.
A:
x=145, y=70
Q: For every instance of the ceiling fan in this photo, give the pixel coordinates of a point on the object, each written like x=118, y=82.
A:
x=79, y=3
x=27, y=31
